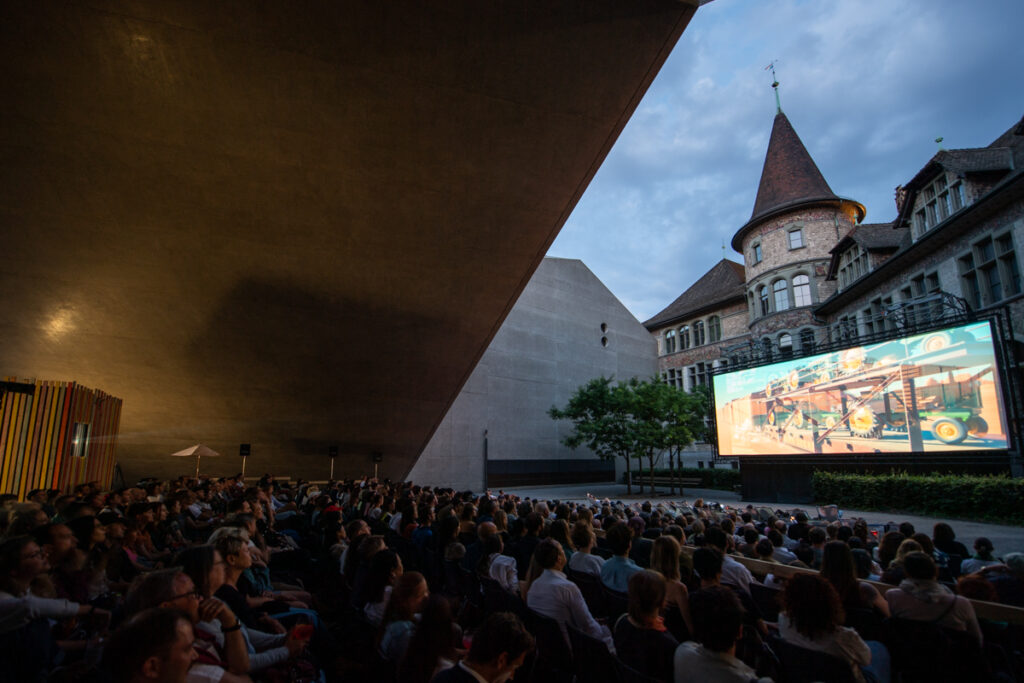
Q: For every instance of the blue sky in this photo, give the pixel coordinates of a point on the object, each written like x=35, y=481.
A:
x=868, y=85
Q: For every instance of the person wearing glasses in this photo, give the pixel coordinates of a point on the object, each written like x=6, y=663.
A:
x=174, y=588
x=27, y=648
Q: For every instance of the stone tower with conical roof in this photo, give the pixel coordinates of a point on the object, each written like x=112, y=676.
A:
x=796, y=220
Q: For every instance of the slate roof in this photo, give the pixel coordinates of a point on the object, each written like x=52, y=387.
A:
x=789, y=178
x=789, y=174
x=874, y=237
x=976, y=160
x=724, y=282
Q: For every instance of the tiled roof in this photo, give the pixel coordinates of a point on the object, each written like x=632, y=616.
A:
x=877, y=236
x=873, y=237
x=977, y=160
x=789, y=175
x=724, y=282
x=789, y=178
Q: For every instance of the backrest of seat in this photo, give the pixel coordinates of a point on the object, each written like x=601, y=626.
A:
x=592, y=660
x=616, y=603
x=590, y=587
x=801, y=665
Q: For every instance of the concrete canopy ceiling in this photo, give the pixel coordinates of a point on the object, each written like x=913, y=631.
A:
x=294, y=224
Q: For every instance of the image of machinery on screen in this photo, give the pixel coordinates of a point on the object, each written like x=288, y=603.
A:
x=931, y=392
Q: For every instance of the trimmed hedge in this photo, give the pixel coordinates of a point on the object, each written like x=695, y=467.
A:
x=992, y=498
x=718, y=478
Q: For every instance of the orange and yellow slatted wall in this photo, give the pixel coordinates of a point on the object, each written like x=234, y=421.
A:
x=37, y=423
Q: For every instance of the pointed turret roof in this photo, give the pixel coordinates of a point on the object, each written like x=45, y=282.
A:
x=789, y=175
x=789, y=179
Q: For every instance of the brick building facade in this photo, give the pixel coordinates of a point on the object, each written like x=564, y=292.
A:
x=814, y=273
x=768, y=302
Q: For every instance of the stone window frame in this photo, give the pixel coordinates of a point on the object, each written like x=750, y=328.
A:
x=684, y=337
x=699, y=333
x=921, y=284
x=853, y=264
x=785, y=350
x=807, y=340
x=756, y=253
x=937, y=201
x=798, y=230
x=764, y=297
x=976, y=266
x=793, y=287
x=781, y=295
x=670, y=341
x=714, y=329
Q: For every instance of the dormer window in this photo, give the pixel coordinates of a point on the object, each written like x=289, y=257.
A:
x=938, y=201
x=853, y=263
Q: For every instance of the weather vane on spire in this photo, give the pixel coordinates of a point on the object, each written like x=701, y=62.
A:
x=775, y=84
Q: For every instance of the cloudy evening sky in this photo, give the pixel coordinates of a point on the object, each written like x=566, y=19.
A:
x=867, y=84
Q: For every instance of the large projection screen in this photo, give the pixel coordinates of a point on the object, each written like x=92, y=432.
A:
x=928, y=393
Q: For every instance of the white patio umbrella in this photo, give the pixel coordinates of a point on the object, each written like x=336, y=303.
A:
x=200, y=451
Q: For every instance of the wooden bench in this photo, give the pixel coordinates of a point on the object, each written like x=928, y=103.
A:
x=667, y=482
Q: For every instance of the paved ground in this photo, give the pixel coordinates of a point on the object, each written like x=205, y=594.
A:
x=1006, y=539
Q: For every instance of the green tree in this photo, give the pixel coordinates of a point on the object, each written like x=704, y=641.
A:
x=601, y=420
x=684, y=423
x=634, y=419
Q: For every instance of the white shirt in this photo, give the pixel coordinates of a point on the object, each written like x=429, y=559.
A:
x=735, y=574
x=586, y=563
x=16, y=612
x=552, y=595
x=504, y=570
x=471, y=672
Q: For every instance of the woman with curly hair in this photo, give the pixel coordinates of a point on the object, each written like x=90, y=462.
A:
x=812, y=618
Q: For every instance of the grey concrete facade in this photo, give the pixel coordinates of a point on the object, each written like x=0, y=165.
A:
x=566, y=329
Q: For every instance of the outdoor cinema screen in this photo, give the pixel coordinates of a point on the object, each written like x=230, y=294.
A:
x=929, y=393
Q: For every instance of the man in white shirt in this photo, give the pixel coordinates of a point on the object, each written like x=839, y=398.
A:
x=733, y=573
x=554, y=596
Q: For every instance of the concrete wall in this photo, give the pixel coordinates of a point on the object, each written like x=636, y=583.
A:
x=550, y=343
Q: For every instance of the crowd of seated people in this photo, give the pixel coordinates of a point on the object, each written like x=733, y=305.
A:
x=217, y=580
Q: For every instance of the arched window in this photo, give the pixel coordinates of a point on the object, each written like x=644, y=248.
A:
x=762, y=294
x=802, y=290
x=781, y=290
x=807, y=341
x=785, y=345
x=670, y=341
x=684, y=337
x=698, y=333
x=714, y=328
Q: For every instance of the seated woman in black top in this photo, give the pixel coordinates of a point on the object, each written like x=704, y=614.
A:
x=641, y=639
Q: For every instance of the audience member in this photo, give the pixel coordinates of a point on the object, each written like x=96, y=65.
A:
x=619, y=567
x=499, y=647
x=554, y=596
x=155, y=646
x=921, y=597
x=641, y=637
x=717, y=623
x=812, y=618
